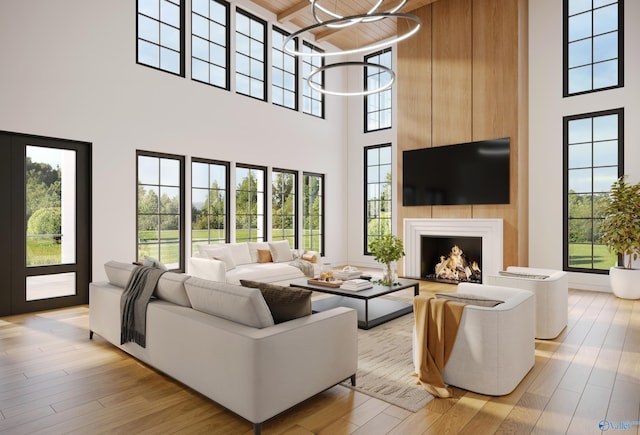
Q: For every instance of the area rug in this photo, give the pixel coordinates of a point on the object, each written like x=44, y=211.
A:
x=385, y=365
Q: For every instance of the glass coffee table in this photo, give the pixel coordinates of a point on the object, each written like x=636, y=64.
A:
x=372, y=309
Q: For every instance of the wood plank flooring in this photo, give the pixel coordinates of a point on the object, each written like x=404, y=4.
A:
x=54, y=380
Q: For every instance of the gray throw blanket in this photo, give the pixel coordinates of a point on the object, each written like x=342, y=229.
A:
x=305, y=266
x=133, y=303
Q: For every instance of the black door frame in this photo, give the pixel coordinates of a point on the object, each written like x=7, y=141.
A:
x=13, y=225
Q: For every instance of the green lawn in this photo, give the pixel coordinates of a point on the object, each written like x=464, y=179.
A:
x=580, y=256
x=43, y=250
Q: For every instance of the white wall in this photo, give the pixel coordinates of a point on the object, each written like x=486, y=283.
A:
x=357, y=141
x=547, y=107
x=69, y=71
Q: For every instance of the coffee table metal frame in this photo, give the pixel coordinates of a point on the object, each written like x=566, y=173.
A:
x=372, y=310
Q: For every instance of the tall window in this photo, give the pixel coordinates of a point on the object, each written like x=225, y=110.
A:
x=377, y=106
x=210, y=42
x=593, y=160
x=160, y=211
x=284, y=186
x=160, y=35
x=593, y=45
x=284, y=71
x=378, y=192
x=250, y=204
x=209, y=202
x=313, y=212
x=251, y=52
x=312, y=100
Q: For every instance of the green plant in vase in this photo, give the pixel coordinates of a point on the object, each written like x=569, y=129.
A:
x=620, y=232
x=386, y=249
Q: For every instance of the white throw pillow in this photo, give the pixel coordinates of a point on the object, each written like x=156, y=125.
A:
x=280, y=251
x=232, y=302
x=240, y=253
x=253, y=249
x=220, y=253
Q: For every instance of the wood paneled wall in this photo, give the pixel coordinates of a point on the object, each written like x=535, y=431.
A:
x=462, y=78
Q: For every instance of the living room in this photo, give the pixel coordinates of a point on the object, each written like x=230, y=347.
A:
x=71, y=73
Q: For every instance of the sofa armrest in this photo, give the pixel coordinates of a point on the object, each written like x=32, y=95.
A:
x=207, y=268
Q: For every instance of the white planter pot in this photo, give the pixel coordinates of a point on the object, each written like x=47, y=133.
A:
x=625, y=283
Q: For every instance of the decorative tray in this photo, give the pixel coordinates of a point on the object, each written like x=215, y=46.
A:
x=332, y=284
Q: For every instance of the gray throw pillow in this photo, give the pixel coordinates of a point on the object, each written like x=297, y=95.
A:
x=469, y=299
x=285, y=303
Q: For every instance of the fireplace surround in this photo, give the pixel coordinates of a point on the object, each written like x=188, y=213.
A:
x=489, y=230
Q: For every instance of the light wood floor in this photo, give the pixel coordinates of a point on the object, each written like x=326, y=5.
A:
x=54, y=380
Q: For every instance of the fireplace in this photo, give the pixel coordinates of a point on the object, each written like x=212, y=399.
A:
x=451, y=259
x=480, y=240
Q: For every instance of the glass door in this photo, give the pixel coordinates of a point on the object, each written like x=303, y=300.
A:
x=49, y=221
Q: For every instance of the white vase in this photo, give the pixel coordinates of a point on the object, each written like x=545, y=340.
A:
x=625, y=283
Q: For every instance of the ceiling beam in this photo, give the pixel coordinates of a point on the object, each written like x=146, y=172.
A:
x=327, y=32
x=293, y=10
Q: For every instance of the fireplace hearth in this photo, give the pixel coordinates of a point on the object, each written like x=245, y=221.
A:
x=451, y=259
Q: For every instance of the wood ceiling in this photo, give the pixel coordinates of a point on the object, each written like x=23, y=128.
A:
x=298, y=13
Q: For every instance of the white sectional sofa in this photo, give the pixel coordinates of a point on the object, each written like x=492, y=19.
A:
x=227, y=346
x=272, y=262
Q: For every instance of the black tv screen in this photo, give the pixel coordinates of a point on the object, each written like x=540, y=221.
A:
x=460, y=174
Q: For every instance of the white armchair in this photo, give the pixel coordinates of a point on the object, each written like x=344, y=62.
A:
x=494, y=347
x=552, y=295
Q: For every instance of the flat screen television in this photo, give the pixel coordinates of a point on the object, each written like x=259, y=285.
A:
x=460, y=174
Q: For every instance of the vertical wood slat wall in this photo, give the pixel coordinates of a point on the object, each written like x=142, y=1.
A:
x=463, y=77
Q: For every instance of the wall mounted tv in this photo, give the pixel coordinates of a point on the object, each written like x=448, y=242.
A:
x=460, y=174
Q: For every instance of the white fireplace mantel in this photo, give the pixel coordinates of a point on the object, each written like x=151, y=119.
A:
x=489, y=229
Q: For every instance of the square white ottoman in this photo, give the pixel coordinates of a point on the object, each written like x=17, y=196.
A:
x=551, y=288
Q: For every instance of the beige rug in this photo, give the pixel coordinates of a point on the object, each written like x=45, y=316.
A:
x=385, y=365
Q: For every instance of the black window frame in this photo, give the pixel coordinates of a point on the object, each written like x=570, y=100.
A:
x=264, y=42
x=311, y=62
x=265, y=235
x=379, y=200
x=295, y=219
x=565, y=45
x=227, y=50
x=181, y=229
x=285, y=55
x=565, y=182
x=180, y=4
x=378, y=95
x=321, y=215
x=227, y=206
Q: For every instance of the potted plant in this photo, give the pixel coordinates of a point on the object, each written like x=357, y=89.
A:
x=387, y=249
x=620, y=232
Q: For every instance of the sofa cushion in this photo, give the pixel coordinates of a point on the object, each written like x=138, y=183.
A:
x=285, y=303
x=280, y=251
x=264, y=272
x=232, y=302
x=118, y=273
x=240, y=253
x=469, y=299
x=264, y=256
x=170, y=288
